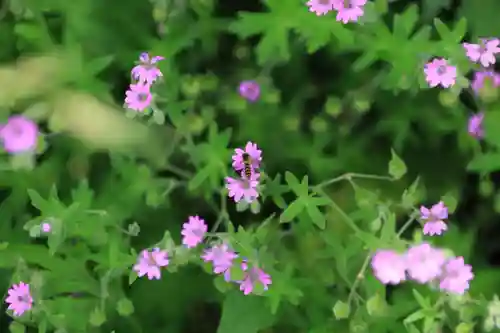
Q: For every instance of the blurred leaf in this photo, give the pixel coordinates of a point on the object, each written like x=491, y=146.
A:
x=482, y=18
x=397, y=168
x=341, y=310
x=292, y=211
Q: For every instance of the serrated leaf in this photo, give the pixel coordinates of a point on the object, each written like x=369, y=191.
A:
x=397, y=168
x=292, y=211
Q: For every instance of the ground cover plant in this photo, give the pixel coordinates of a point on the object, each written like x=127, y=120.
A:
x=253, y=166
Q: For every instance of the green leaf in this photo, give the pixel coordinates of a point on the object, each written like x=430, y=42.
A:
x=415, y=316
x=430, y=8
x=314, y=213
x=405, y=23
x=257, y=316
x=450, y=202
x=388, y=232
x=292, y=211
x=341, y=310
x=125, y=307
x=483, y=18
x=485, y=163
x=411, y=195
x=16, y=327
x=423, y=302
x=273, y=46
x=200, y=177
x=397, y=168
x=376, y=305
x=97, y=318
x=293, y=182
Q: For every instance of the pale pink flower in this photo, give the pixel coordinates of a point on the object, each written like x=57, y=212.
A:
x=475, y=125
x=253, y=152
x=146, y=71
x=434, y=228
x=389, y=267
x=19, y=299
x=150, y=262
x=456, y=276
x=439, y=72
x=424, y=262
x=434, y=217
x=482, y=78
x=253, y=275
x=484, y=52
x=138, y=97
x=349, y=10
x=243, y=188
x=320, y=7
x=19, y=135
x=250, y=90
x=193, y=231
x=221, y=257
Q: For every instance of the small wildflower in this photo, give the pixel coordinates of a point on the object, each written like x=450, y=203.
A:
x=149, y=263
x=456, y=276
x=485, y=79
x=193, y=231
x=243, y=188
x=253, y=276
x=19, y=135
x=434, y=219
x=389, y=267
x=320, y=7
x=146, y=71
x=221, y=257
x=252, y=150
x=46, y=227
x=349, y=10
x=439, y=72
x=19, y=299
x=484, y=52
x=138, y=97
x=475, y=125
x=250, y=90
x=424, y=262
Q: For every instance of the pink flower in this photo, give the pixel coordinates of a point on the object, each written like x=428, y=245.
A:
x=250, y=90
x=149, y=263
x=46, y=227
x=138, y=97
x=424, y=262
x=456, y=276
x=320, y=7
x=253, y=276
x=193, y=231
x=349, y=10
x=475, y=125
x=437, y=212
x=389, y=267
x=490, y=78
x=221, y=257
x=19, y=299
x=434, y=228
x=19, y=135
x=243, y=188
x=438, y=72
x=146, y=71
x=484, y=52
x=252, y=150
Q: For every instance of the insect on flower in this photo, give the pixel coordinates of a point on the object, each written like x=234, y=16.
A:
x=247, y=165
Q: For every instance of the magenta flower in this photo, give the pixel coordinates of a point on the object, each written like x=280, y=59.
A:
x=424, y=262
x=484, y=52
x=138, y=97
x=243, y=188
x=150, y=262
x=221, y=257
x=193, y=231
x=456, y=276
x=146, y=71
x=434, y=219
x=439, y=72
x=19, y=135
x=253, y=276
x=250, y=90
x=252, y=150
x=475, y=125
x=482, y=78
x=19, y=299
x=320, y=7
x=389, y=267
x=46, y=227
x=349, y=10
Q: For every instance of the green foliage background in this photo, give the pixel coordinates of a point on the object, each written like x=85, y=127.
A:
x=335, y=99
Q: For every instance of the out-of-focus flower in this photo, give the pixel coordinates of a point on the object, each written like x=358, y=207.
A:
x=475, y=125
x=439, y=72
x=146, y=71
x=221, y=257
x=19, y=135
x=424, y=262
x=253, y=152
x=19, y=298
x=150, y=262
x=253, y=275
x=250, y=90
x=456, y=276
x=434, y=219
x=243, y=188
x=484, y=52
x=389, y=267
x=46, y=227
x=320, y=7
x=193, y=231
x=138, y=97
x=349, y=10
x=485, y=84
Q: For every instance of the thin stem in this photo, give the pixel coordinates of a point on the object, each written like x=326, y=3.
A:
x=349, y=177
